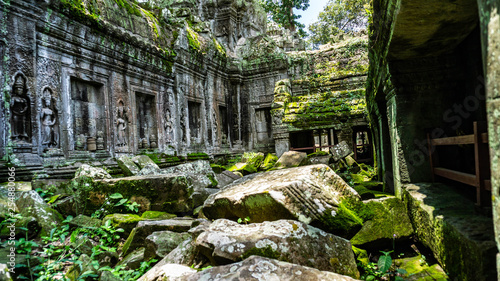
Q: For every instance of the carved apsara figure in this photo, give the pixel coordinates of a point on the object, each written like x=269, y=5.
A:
x=20, y=105
x=50, y=136
x=121, y=125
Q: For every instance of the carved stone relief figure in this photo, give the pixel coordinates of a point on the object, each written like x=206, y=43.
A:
x=121, y=124
x=20, y=108
x=48, y=117
x=168, y=122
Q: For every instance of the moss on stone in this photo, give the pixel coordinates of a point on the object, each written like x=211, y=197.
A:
x=193, y=39
x=348, y=218
x=157, y=215
x=266, y=252
x=361, y=255
x=197, y=156
x=212, y=180
x=269, y=162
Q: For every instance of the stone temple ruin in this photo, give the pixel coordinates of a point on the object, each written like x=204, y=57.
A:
x=93, y=80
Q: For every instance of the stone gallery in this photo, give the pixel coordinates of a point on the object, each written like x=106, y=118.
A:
x=95, y=80
x=199, y=140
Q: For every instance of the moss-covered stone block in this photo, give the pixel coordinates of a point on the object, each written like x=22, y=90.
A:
x=418, y=269
x=156, y=215
x=389, y=222
x=445, y=222
x=125, y=221
x=244, y=168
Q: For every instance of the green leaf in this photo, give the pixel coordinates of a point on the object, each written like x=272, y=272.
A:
x=370, y=278
x=53, y=199
x=116, y=196
x=401, y=271
x=384, y=263
x=121, y=202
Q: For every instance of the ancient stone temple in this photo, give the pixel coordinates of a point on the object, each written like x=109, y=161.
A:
x=432, y=95
x=93, y=80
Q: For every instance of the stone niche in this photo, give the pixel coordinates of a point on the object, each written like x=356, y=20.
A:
x=195, y=129
x=263, y=125
x=223, y=125
x=88, y=113
x=146, y=121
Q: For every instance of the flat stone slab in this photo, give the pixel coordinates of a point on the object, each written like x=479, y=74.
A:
x=264, y=269
x=463, y=242
x=169, y=193
x=143, y=229
x=225, y=241
x=309, y=194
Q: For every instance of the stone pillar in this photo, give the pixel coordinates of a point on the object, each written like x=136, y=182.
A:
x=490, y=37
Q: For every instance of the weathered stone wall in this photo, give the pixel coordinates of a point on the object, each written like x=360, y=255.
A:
x=427, y=75
x=326, y=92
x=490, y=42
x=131, y=77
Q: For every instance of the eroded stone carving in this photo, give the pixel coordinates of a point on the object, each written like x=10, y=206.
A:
x=20, y=108
x=121, y=124
x=48, y=118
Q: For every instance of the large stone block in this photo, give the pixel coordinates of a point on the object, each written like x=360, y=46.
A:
x=264, y=269
x=128, y=166
x=285, y=240
x=444, y=221
x=310, y=194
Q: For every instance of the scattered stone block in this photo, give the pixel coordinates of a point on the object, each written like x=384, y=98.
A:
x=128, y=166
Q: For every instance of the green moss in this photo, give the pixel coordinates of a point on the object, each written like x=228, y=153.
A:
x=219, y=48
x=157, y=215
x=193, y=39
x=198, y=156
x=269, y=162
x=266, y=252
x=349, y=217
x=213, y=180
x=217, y=168
x=244, y=168
x=318, y=153
x=131, y=7
x=361, y=255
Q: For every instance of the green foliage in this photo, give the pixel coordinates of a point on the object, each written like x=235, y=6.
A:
x=130, y=275
x=382, y=269
x=197, y=156
x=281, y=12
x=120, y=201
x=62, y=247
x=193, y=39
x=245, y=220
x=339, y=16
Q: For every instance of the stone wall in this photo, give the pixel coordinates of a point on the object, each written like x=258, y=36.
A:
x=325, y=95
x=428, y=75
x=88, y=81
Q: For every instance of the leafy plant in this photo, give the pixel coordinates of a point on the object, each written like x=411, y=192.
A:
x=381, y=269
x=131, y=206
x=245, y=220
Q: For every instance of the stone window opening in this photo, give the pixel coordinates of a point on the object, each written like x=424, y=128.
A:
x=362, y=145
x=224, y=129
x=313, y=140
x=88, y=112
x=194, y=109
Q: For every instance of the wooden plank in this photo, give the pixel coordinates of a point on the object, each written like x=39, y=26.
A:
x=467, y=139
x=432, y=161
x=484, y=138
x=468, y=179
x=487, y=185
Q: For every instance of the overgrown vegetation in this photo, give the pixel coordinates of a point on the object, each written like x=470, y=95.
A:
x=74, y=252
